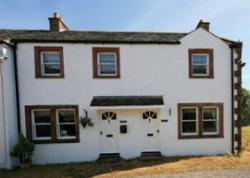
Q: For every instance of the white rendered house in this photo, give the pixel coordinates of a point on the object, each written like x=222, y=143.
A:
x=168, y=93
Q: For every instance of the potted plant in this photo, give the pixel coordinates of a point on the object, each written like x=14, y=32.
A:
x=86, y=121
x=23, y=150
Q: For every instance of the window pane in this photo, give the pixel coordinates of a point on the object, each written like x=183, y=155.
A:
x=209, y=126
x=66, y=116
x=209, y=113
x=104, y=116
x=113, y=117
x=107, y=58
x=189, y=114
x=52, y=68
x=51, y=57
x=189, y=127
x=42, y=116
x=199, y=69
x=199, y=59
x=43, y=131
x=67, y=130
x=107, y=69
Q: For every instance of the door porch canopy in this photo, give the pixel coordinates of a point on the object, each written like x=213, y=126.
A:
x=126, y=102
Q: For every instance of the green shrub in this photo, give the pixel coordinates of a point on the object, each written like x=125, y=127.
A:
x=23, y=150
x=245, y=105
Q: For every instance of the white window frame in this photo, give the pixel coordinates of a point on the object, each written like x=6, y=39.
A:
x=43, y=64
x=99, y=64
x=207, y=65
x=34, y=136
x=217, y=121
x=58, y=124
x=196, y=120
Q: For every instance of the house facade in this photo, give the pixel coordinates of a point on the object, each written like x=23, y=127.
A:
x=172, y=93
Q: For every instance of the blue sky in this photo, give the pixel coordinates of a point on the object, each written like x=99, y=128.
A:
x=228, y=18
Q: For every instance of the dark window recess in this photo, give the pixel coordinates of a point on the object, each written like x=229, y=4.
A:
x=43, y=131
x=123, y=129
x=144, y=116
x=109, y=115
x=149, y=114
x=104, y=117
x=67, y=130
x=165, y=120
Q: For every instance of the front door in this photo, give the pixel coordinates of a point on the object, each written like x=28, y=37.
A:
x=108, y=132
x=150, y=131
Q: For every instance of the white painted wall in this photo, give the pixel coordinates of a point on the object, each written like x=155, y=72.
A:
x=2, y=123
x=8, y=124
x=145, y=70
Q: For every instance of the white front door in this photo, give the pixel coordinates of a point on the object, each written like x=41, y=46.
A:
x=150, y=131
x=109, y=132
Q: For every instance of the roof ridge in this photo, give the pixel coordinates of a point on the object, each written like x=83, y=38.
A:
x=94, y=31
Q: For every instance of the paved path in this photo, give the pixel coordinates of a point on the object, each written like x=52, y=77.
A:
x=226, y=173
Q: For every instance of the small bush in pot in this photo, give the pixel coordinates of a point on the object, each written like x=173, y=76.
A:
x=23, y=150
x=86, y=121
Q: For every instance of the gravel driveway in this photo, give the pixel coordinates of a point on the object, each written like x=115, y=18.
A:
x=226, y=173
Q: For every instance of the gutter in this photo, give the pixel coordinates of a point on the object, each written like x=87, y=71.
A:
x=6, y=43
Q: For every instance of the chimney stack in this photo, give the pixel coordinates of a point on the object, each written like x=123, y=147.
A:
x=204, y=25
x=56, y=24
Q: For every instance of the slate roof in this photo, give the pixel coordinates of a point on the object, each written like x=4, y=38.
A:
x=90, y=36
x=126, y=100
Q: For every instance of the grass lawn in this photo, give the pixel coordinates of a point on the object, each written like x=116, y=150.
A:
x=135, y=167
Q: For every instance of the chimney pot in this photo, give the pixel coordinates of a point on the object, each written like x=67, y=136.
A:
x=56, y=15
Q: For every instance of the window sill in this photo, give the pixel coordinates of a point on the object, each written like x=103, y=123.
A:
x=50, y=77
x=201, y=77
x=200, y=136
x=106, y=77
x=55, y=141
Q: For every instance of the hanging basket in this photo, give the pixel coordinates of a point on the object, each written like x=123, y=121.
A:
x=86, y=121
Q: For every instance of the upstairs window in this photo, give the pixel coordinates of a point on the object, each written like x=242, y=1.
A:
x=106, y=63
x=201, y=63
x=49, y=62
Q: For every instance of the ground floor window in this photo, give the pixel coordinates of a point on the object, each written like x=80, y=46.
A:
x=200, y=120
x=54, y=124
